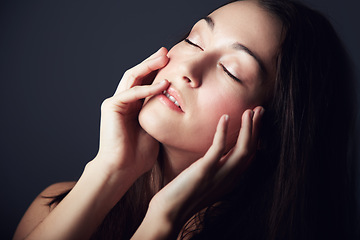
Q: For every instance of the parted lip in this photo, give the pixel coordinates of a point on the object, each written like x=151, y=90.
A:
x=173, y=92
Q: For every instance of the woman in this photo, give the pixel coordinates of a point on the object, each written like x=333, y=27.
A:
x=195, y=155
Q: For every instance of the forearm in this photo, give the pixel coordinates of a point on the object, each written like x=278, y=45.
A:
x=157, y=226
x=78, y=215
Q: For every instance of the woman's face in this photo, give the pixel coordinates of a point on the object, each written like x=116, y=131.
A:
x=225, y=66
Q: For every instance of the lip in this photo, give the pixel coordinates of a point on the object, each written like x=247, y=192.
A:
x=173, y=92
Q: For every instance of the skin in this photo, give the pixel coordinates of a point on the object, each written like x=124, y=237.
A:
x=206, y=90
x=212, y=158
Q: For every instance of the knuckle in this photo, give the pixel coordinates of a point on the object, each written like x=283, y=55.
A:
x=135, y=90
x=129, y=74
x=105, y=104
x=149, y=68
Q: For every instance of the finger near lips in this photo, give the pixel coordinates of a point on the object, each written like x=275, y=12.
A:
x=139, y=92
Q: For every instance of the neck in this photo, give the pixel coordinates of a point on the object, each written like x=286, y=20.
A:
x=176, y=160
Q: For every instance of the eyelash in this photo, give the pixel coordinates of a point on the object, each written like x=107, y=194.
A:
x=230, y=74
x=223, y=67
x=193, y=44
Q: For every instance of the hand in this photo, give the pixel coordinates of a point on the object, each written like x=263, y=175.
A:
x=125, y=152
x=124, y=145
x=207, y=179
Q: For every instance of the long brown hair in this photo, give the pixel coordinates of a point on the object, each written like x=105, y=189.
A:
x=300, y=185
x=306, y=189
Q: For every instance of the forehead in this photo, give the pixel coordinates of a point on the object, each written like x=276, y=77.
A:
x=251, y=25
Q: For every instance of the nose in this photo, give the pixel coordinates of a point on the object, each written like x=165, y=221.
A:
x=188, y=80
x=193, y=68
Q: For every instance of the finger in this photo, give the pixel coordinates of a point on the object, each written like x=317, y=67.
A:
x=216, y=151
x=235, y=159
x=239, y=158
x=161, y=51
x=141, y=70
x=133, y=76
x=245, y=134
x=258, y=113
x=139, y=92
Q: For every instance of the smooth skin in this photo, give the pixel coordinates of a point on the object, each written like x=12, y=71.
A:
x=206, y=91
x=126, y=152
x=78, y=215
x=203, y=182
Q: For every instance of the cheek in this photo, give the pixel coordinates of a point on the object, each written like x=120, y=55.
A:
x=218, y=103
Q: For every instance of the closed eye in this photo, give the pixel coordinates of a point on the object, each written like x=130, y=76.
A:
x=230, y=74
x=193, y=44
x=223, y=67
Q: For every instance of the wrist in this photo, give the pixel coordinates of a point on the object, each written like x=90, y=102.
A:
x=110, y=171
x=79, y=214
x=175, y=214
x=107, y=184
x=156, y=225
x=111, y=164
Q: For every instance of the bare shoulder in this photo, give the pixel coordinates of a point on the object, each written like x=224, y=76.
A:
x=39, y=208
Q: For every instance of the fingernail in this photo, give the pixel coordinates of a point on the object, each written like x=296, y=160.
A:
x=262, y=110
x=156, y=58
x=163, y=81
x=252, y=114
x=226, y=117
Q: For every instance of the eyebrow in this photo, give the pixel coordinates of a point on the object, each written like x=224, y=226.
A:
x=210, y=22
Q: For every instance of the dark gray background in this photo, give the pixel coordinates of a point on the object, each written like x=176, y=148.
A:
x=60, y=59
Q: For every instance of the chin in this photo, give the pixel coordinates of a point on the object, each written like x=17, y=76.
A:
x=153, y=124
x=171, y=133
x=148, y=122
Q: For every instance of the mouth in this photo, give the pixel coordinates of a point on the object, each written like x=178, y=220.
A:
x=171, y=98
